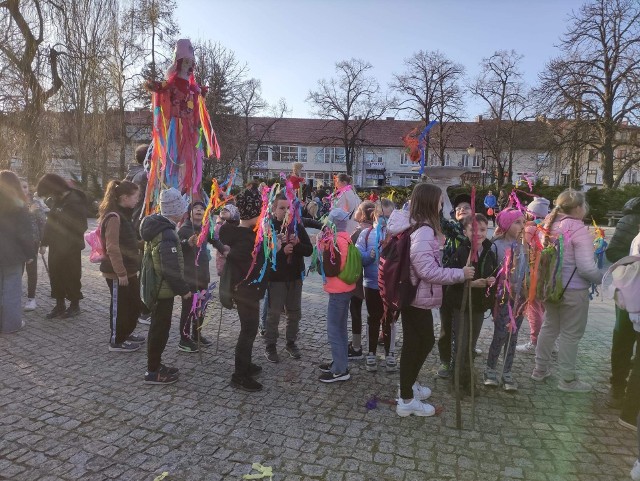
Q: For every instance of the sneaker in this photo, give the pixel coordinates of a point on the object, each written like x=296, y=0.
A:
x=125, y=346
x=390, y=363
x=30, y=305
x=56, y=312
x=170, y=370
x=72, y=311
x=574, y=386
x=246, y=383
x=330, y=377
x=490, y=377
x=325, y=367
x=415, y=407
x=353, y=354
x=528, y=348
x=627, y=424
x=540, y=375
x=187, y=345
x=635, y=471
x=160, y=377
x=508, y=382
x=136, y=339
x=271, y=353
x=204, y=342
x=144, y=319
x=293, y=350
x=254, y=370
x=445, y=370
x=371, y=362
x=421, y=393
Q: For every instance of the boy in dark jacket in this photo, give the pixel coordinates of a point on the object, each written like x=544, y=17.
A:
x=285, y=283
x=485, y=267
x=159, y=233
x=197, y=276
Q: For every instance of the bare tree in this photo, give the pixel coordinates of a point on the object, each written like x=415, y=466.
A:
x=23, y=41
x=354, y=99
x=596, y=80
x=500, y=86
x=429, y=90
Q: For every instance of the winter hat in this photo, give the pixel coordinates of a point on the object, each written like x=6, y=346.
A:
x=171, y=203
x=340, y=218
x=195, y=203
x=249, y=204
x=507, y=217
x=233, y=210
x=460, y=199
x=539, y=207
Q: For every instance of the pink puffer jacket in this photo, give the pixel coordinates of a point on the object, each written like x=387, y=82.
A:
x=426, y=269
x=578, y=253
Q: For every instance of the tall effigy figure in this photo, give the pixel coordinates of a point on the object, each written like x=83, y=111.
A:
x=182, y=135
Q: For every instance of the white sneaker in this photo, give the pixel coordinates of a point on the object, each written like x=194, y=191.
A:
x=574, y=386
x=421, y=393
x=556, y=347
x=371, y=362
x=528, y=348
x=635, y=472
x=415, y=407
x=391, y=365
x=30, y=305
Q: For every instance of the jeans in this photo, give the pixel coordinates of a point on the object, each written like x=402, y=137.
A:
x=265, y=312
x=624, y=339
x=417, y=328
x=337, y=317
x=32, y=278
x=631, y=403
x=124, y=308
x=11, y=298
x=503, y=339
x=158, y=333
x=249, y=314
x=289, y=295
x=565, y=321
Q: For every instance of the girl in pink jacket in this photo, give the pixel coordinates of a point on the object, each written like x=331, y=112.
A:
x=427, y=273
x=566, y=320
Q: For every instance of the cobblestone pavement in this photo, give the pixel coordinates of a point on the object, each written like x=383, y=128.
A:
x=70, y=410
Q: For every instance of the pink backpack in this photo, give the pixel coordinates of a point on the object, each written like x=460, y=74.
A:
x=96, y=241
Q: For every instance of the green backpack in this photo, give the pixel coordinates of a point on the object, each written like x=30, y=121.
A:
x=149, y=285
x=353, y=266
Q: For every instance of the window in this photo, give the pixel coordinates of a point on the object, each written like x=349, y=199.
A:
x=404, y=158
x=288, y=153
x=633, y=177
x=465, y=160
x=564, y=179
x=476, y=161
x=592, y=176
x=331, y=155
x=447, y=159
x=542, y=160
x=323, y=178
x=407, y=179
x=593, y=155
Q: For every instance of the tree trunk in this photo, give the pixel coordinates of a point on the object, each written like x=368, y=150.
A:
x=607, y=161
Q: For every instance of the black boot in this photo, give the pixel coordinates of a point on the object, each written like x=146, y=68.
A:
x=72, y=311
x=58, y=310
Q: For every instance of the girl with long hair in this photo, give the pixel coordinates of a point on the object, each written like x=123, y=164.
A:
x=423, y=220
x=121, y=263
x=18, y=248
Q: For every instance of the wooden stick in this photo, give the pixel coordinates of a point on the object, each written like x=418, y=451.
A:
x=461, y=329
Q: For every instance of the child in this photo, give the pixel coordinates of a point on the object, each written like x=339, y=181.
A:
x=368, y=243
x=537, y=210
x=340, y=294
x=454, y=236
x=159, y=233
x=228, y=214
x=511, y=297
x=121, y=263
x=285, y=283
x=485, y=270
x=197, y=276
x=364, y=217
x=38, y=211
x=423, y=218
x=246, y=293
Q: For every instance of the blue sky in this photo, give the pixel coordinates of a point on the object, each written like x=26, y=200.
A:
x=289, y=45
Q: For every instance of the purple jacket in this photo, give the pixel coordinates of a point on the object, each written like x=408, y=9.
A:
x=578, y=253
x=426, y=269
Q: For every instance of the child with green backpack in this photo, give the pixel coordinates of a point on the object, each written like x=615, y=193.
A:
x=340, y=288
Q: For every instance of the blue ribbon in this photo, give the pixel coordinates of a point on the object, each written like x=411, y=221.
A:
x=422, y=144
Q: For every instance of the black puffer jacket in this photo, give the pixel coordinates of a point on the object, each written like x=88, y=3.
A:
x=193, y=272
x=626, y=229
x=66, y=222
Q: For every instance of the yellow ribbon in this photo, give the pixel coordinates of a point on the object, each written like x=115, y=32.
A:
x=162, y=476
x=263, y=472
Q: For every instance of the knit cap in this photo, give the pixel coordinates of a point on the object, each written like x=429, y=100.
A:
x=507, y=217
x=249, y=204
x=539, y=207
x=171, y=203
x=233, y=210
x=340, y=218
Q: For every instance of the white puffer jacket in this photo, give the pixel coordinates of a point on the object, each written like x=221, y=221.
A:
x=426, y=269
